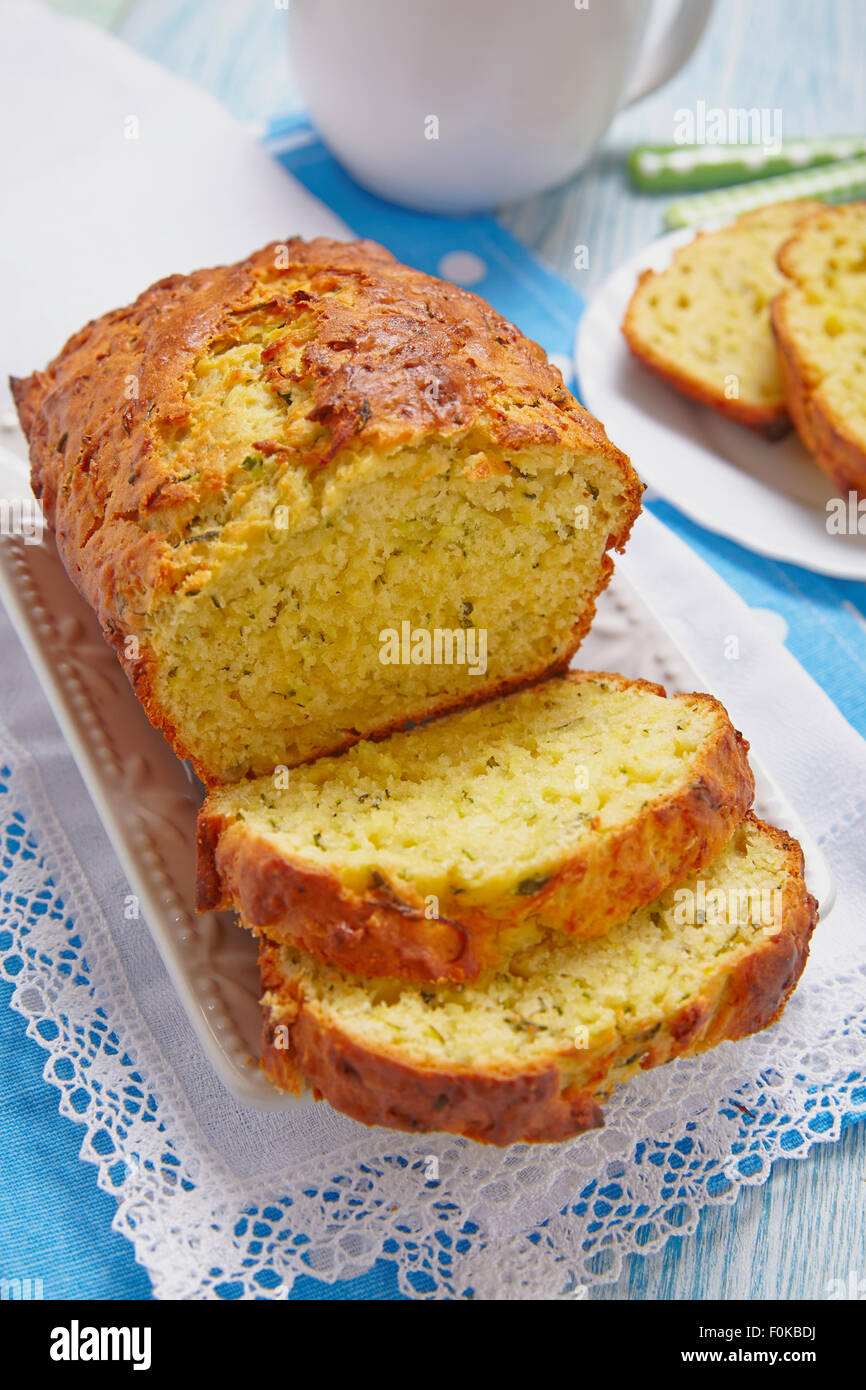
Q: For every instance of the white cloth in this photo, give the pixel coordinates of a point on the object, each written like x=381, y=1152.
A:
x=211, y=1193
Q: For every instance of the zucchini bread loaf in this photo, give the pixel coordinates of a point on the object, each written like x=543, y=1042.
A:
x=433, y=853
x=704, y=323
x=316, y=494
x=529, y=1052
x=819, y=321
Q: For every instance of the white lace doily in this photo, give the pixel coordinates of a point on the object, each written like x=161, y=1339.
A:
x=218, y=1199
x=687, y=1135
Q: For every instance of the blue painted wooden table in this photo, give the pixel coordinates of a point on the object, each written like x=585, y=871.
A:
x=791, y=1237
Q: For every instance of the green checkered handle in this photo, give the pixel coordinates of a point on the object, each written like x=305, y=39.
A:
x=691, y=168
x=834, y=183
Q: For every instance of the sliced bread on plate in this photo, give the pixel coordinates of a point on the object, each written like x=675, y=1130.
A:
x=703, y=324
x=530, y=1052
x=819, y=320
x=431, y=853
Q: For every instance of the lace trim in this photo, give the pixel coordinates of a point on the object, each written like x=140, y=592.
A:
x=459, y=1220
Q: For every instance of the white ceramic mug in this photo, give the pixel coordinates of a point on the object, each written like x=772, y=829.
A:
x=458, y=105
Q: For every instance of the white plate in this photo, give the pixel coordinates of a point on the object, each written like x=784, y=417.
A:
x=148, y=800
x=770, y=497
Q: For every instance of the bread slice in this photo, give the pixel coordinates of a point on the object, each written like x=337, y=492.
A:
x=819, y=321
x=262, y=476
x=531, y=1051
x=429, y=855
x=704, y=323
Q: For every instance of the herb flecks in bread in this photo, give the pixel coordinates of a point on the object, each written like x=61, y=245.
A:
x=254, y=470
x=431, y=854
x=530, y=1052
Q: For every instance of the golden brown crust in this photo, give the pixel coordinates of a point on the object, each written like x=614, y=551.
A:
x=770, y=421
x=386, y=933
x=838, y=451
x=529, y=1104
x=786, y=256
x=377, y=1090
x=96, y=418
x=836, y=448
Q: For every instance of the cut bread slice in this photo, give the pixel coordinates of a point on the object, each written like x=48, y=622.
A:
x=820, y=325
x=325, y=449
x=429, y=854
x=528, y=1053
x=704, y=323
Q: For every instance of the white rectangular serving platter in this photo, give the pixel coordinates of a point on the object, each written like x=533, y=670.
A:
x=148, y=800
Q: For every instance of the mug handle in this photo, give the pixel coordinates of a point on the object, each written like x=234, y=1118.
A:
x=673, y=48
